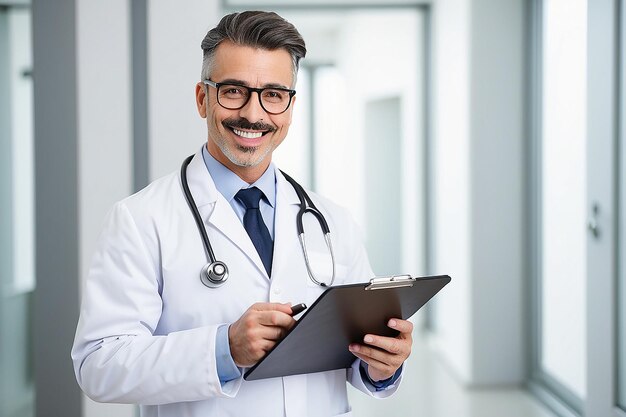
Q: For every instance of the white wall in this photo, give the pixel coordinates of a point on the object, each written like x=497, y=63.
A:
x=497, y=172
x=374, y=70
x=451, y=144
x=366, y=67
x=479, y=189
x=563, y=193
x=175, y=32
x=104, y=131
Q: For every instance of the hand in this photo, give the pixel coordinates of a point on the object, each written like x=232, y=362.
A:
x=385, y=355
x=257, y=331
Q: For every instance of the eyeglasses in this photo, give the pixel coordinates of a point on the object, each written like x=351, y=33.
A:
x=274, y=100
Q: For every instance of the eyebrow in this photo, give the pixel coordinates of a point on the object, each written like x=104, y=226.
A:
x=245, y=84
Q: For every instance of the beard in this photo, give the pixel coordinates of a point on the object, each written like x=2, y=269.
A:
x=245, y=156
x=252, y=157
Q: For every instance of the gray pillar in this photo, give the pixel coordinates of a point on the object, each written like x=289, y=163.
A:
x=56, y=182
x=139, y=56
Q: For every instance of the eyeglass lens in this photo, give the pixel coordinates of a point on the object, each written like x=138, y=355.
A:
x=234, y=97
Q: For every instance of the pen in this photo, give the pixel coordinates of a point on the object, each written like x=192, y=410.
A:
x=297, y=309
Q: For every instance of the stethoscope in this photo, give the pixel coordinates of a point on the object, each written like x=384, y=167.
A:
x=215, y=273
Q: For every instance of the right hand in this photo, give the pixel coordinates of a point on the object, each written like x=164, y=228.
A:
x=257, y=331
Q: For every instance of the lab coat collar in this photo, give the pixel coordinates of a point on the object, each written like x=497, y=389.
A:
x=217, y=214
x=285, y=190
x=201, y=184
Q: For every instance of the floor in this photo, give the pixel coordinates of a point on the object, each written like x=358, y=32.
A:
x=428, y=390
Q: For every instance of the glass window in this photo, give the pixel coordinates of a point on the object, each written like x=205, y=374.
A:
x=562, y=207
x=20, y=68
x=17, y=277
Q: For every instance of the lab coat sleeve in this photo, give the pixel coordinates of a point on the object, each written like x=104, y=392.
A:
x=360, y=268
x=117, y=357
x=356, y=380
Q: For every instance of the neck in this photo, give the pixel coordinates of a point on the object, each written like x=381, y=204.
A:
x=249, y=174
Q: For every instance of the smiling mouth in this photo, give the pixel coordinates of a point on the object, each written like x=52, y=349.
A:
x=246, y=130
x=248, y=135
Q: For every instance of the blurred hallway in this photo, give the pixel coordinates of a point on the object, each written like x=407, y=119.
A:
x=430, y=390
x=480, y=139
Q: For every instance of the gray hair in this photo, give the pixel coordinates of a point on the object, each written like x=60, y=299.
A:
x=264, y=30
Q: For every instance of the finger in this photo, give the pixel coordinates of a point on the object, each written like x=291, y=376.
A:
x=282, y=307
x=394, y=345
x=403, y=326
x=272, y=333
x=270, y=325
x=381, y=356
x=259, y=348
x=275, y=318
x=375, y=364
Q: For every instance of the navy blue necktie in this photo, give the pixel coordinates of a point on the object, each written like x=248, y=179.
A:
x=255, y=226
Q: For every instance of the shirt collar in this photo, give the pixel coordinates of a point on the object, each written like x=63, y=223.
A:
x=228, y=183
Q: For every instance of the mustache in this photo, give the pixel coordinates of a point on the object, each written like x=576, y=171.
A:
x=242, y=123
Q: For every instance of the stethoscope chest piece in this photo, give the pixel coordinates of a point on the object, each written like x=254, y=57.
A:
x=214, y=275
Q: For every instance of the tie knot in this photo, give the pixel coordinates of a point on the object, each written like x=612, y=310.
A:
x=250, y=197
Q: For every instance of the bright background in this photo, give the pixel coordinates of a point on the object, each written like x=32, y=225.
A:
x=455, y=131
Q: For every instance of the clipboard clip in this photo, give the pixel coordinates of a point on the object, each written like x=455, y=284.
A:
x=392, y=281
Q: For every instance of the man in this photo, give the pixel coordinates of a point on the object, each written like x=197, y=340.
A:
x=150, y=332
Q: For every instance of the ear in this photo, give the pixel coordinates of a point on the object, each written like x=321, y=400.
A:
x=201, y=99
x=291, y=106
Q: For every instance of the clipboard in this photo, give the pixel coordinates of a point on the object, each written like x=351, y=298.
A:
x=342, y=315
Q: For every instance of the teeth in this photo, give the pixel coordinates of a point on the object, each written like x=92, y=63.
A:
x=248, y=135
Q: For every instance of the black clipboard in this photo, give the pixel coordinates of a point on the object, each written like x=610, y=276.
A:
x=342, y=315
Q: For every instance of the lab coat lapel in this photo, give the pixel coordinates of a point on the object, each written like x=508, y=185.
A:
x=215, y=210
x=224, y=219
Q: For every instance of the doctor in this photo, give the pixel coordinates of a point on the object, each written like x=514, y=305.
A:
x=151, y=332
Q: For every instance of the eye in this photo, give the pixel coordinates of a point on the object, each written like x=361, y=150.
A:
x=233, y=91
x=274, y=96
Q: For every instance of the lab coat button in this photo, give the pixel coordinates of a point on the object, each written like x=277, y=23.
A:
x=277, y=291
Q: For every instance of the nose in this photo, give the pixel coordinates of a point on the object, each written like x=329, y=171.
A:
x=253, y=111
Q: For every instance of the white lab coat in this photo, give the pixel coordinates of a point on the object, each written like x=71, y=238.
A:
x=147, y=327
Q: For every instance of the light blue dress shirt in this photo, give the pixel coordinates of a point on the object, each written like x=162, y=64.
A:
x=228, y=184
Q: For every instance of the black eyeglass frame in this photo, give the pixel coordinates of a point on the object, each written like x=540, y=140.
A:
x=259, y=91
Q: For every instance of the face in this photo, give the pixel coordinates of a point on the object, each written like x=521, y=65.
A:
x=243, y=140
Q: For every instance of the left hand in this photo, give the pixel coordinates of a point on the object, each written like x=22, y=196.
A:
x=385, y=355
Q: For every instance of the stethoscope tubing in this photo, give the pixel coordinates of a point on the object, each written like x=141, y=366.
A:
x=194, y=209
x=304, y=200
x=215, y=273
